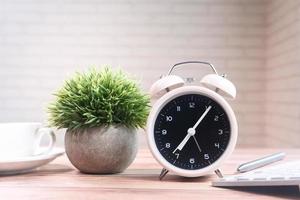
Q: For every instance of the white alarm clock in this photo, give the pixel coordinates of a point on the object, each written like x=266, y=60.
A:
x=191, y=129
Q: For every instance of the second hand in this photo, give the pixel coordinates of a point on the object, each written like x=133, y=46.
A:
x=198, y=146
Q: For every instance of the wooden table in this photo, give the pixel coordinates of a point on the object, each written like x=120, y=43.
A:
x=59, y=180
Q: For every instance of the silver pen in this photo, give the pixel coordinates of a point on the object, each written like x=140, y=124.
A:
x=248, y=166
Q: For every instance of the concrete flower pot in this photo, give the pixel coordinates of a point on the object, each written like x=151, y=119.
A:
x=101, y=150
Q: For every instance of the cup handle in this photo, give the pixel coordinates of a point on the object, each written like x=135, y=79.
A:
x=40, y=134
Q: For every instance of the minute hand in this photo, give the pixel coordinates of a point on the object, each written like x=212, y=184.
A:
x=201, y=118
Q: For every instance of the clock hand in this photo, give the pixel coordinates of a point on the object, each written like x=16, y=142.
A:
x=196, y=125
x=197, y=143
x=201, y=118
x=191, y=131
x=186, y=138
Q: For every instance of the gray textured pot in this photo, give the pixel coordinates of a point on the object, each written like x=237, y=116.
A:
x=101, y=150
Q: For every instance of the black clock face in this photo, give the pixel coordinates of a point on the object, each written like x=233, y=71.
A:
x=192, y=131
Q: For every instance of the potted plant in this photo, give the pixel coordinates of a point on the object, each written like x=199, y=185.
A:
x=101, y=110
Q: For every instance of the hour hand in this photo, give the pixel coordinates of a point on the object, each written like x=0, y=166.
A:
x=182, y=143
x=190, y=133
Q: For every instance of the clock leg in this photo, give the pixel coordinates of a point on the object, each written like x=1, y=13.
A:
x=163, y=173
x=219, y=174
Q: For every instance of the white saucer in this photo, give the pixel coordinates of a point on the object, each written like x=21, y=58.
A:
x=25, y=164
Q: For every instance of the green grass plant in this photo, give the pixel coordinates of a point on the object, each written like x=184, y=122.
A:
x=99, y=98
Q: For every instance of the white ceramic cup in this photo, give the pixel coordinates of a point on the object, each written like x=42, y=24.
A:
x=24, y=139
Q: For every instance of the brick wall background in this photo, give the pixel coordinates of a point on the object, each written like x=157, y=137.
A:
x=283, y=73
x=44, y=42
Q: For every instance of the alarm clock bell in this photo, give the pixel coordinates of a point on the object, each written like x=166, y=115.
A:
x=165, y=84
x=220, y=84
x=212, y=81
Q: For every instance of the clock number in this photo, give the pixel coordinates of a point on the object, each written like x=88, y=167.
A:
x=168, y=145
x=164, y=132
x=216, y=118
x=192, y=160
x=178, y=108
x=192, y=105
x=206, y=156
x=169, y=118
x=177, y=155
x=220, y=132
x=217, y=145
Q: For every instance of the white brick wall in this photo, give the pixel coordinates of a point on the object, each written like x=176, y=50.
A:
x=43, y=42
x=283, y=73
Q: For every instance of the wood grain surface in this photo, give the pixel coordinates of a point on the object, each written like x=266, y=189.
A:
x=59, y=180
